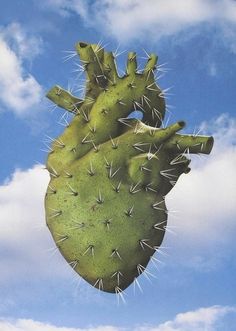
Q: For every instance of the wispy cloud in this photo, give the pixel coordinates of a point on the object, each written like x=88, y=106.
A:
x=25, y=45
x=198, y=320
x=66, y=7
x=20, y=91
x=137, y=19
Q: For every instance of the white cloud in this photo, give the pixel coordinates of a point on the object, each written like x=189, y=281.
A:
x=24, y=45
x=198, y=320
x=24, y=237
x=20, y=91
x=136, y=19
x=31, y=325
x=206, y=200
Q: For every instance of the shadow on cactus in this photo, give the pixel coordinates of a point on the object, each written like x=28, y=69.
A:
x=105, y=203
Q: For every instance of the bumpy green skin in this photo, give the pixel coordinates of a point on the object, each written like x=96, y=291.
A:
x=105, y=203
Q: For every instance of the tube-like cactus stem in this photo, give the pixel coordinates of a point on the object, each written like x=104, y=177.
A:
x=93, y=61
x=151, y=63
x=64, y=99
x=131, y=63
x=161, y=135
x=190, y=143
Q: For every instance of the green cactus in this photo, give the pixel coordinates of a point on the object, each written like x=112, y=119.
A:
x=105, y=203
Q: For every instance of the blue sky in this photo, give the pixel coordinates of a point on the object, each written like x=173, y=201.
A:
x=194, y=288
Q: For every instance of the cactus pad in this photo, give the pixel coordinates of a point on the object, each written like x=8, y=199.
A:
x=105, y=203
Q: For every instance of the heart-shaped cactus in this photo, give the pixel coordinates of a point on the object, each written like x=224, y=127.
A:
x=105, y=203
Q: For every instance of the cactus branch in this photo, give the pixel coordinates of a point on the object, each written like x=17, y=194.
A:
x=64, y=99
x=190, y=143
x=131, y=64
x=93, y=62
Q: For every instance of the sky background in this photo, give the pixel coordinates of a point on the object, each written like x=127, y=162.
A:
x=195, y=282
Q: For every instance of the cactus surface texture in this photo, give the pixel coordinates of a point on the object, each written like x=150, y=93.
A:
x=109, y=174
